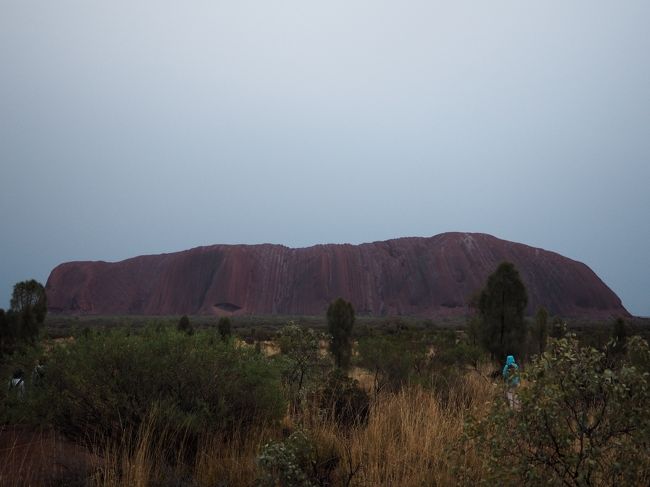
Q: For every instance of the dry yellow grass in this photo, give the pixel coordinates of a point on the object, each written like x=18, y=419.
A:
x=231, y=461
x=410, y=436
x=408, y=441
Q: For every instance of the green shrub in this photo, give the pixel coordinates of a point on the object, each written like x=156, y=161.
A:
x=103, y=385
x=578, y=423
x=638, y=354
x=340, y=320
x=224, y=326
x=394, y=360
x=344, y=400
x=298, y=461
x=300, y=361
x=29, y=306
x=540, y=330
x=184, y=325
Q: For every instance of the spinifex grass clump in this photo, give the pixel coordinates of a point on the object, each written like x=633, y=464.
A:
x=103, y=385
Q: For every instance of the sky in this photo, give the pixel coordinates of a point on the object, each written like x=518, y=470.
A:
x=144, y=127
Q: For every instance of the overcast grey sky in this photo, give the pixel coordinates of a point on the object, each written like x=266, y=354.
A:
x=133, y=127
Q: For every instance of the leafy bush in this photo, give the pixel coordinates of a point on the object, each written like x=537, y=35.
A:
x=638, y=354
x=301, y=364
x=103, y=385
x=184, y=325
x=579, y=423
x=20, y=325
x=394, y=360
x=344, y=400
x=340, y=320
x=540, y=330
x=224, y=327
x=298, y=461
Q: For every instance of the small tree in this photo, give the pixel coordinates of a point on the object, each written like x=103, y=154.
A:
x=502, y=304
x=29, y=308
x=184, y=325
x=300, y=347
x=340, y=320
x=618, y=345
x=541, y=328
x=7, y=333
x=559, y=328
x=30, y=295
x=28, y=325
x=224, y=327
x=474, y=330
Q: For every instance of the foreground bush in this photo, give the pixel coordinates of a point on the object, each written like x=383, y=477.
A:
x=343, y=400
x=298, y=461
x=300, y=362
x=103, y=385
x=579, y=422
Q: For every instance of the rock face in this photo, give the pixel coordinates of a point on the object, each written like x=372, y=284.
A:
x=407, y=276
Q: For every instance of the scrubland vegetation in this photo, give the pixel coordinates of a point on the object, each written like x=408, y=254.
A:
x=405, y=404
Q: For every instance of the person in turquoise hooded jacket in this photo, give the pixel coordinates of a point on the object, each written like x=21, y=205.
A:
x=511, y=377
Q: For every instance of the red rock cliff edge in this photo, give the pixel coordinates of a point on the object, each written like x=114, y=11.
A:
x=407, y=276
